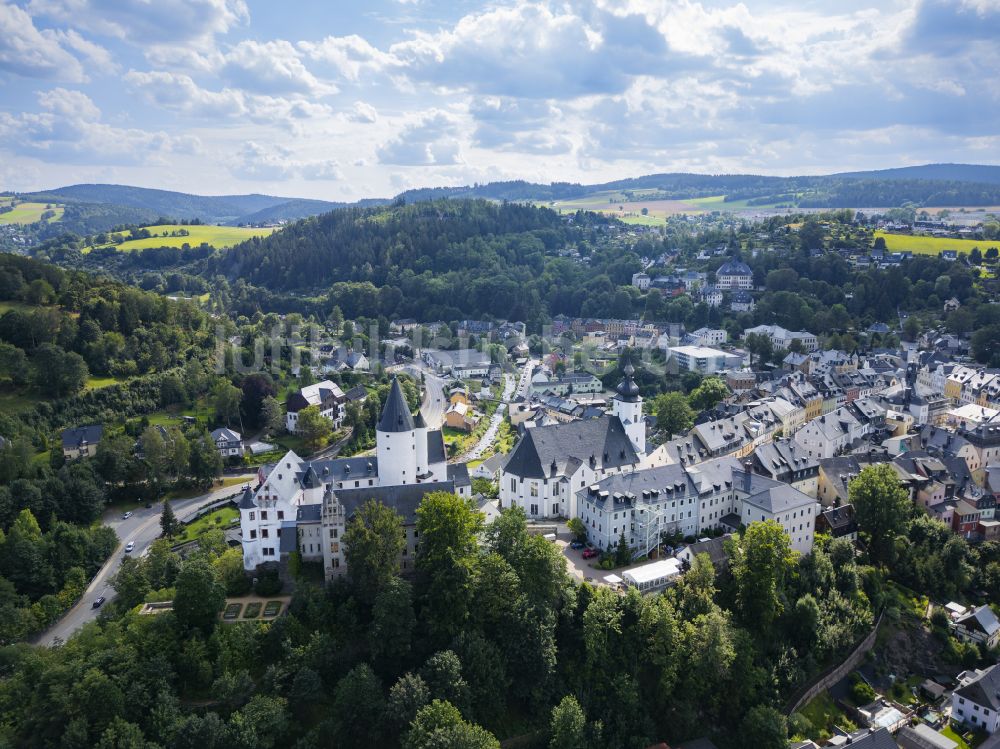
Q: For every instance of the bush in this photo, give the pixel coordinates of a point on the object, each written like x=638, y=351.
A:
x=268, y=583
x=939, y=618
x=861, y=692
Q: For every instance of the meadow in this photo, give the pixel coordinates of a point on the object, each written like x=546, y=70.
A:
x=216, y=236
x=932, y=245
x=27, y=213
x=613, y=203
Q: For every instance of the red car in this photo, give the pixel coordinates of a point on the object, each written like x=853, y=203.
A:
x=590, y=553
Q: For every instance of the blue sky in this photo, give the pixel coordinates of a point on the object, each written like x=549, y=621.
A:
x=341, y=100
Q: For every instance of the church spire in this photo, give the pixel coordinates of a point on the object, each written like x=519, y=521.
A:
x=396, y=416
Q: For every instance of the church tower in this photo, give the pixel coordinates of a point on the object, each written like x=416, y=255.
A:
x=396, y=441
x=628, y=408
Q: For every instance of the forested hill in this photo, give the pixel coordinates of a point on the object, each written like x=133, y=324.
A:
x=437, y=259
x=208, y=208
x=930, y=185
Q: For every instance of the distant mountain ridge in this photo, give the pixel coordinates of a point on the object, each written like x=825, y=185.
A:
x=225, y=209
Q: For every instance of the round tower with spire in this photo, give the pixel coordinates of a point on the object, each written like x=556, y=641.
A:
x=396, y=441
x=627, y=407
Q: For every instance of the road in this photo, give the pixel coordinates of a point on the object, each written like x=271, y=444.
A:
x=491, y=432
x=142, y=528
x=434, y=404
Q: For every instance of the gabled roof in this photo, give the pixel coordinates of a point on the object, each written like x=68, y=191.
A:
x=734, y=268
x=981, y=620
x=228, y=435
x=403, y=499
x=546, y=451
x=396, y=416
x=983, y=689
x=86, y=435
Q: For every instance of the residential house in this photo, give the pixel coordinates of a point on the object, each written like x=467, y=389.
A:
x=227, y=442
x=980, y=625
x=787, y=461
x=81, y=442
x=641, y=281
x=976, y=701
x=460, y=416
x=742, y=301
x=707, y=337
x=831, y=433
x=712, y=296
x=326, y=396
x=490, y=468
x=951, y=305
x=838, y=522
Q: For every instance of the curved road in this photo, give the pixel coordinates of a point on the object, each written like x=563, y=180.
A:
x=142, y=528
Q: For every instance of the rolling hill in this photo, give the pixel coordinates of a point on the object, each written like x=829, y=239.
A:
x=224, y=209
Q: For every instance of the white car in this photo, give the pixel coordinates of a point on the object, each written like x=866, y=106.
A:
x=129, y=546
x=126, y=516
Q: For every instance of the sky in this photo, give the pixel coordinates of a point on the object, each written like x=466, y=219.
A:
x=341, y=99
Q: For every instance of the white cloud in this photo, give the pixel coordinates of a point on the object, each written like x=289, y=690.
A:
x=144, y=20
x=273, y=67
x=69, y=129
x=273, y=163
x=179, y=92
x=26, y=51
x=430, y=140
x=362, y=112
x=349, y=55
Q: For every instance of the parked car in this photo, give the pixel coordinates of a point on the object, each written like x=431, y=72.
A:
x=98, y=601
x=129, y=546
x=577, y=545
x=126, y=516
x=590, y=553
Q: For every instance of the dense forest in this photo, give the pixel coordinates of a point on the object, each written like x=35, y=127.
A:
x=489, y=637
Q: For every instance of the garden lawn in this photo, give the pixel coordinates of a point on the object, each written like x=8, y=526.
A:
x=823, y=713
x=220, y=519
x=952, y=734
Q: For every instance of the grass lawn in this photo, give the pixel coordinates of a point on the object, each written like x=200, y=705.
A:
x=217, y=236
x=172, y=416
x=964, y=740
x=95, y=383
x=29, y=213
x=20, y=306
x=220, y=519
x=932, y=245
x=14, y=400
x=824, y=714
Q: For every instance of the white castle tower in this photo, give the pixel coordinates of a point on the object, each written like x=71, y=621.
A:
x=628, y=408
x=396, y=441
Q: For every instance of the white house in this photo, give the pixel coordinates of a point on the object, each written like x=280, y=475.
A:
x=828, y=435
x=325, y=395
x=301, y=505
x=976, y=701
x=979, y=625
x=781, y=338
x=707, y=337
x=550, y=464
x=461, y=364
x=734, y=275
x=742, y=301
x=227, y=442
x=640, y=280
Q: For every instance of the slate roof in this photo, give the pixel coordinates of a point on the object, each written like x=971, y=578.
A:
x=309, y=513
x=983, y=690
x=546, y=451
x=627, y=390
x=880, y=739
x=435, y=447
x=625, y=489
x=403, y=499
x=86, y=435
x=246, y=501
x=458, y=473
x=734, y=268
x=841, y=520
x=780, y=498
x=981, y=620
x=396, y=416
x=922, y=736
x=356, y=393
x=289, y=538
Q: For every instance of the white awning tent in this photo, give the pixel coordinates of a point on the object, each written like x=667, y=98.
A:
x=652, y=576
x=612, y=579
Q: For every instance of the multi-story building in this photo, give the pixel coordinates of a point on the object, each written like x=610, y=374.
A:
x=325, y=395
x=976, y=701
x=703, y=359
x=781, y=338
x=549, y=464
x=303, y=505
x=733, y=275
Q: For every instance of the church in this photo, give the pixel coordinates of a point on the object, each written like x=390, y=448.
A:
x=551, y=464
x=304, y=505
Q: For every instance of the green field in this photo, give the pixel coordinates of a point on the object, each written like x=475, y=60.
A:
x=27, y=213
x=613, y=203
x=932, y=245
x=217, y=236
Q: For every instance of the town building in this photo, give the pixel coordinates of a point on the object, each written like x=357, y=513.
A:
x=227, y=442
x=782, y=338
x=81, y=442
x=303, y=506
x=703, y=359
x=976, y=701
x=734, y=275
x=326, y=396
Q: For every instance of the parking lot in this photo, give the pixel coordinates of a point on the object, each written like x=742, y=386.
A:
x=576, y=565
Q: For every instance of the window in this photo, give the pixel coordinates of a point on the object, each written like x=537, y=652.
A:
x=534, y=510
x=263, y=514
x=281, y=514
x=253, y=534
x=264, y=533
x=252, y=515
x=333, y=533
x=534, y=490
